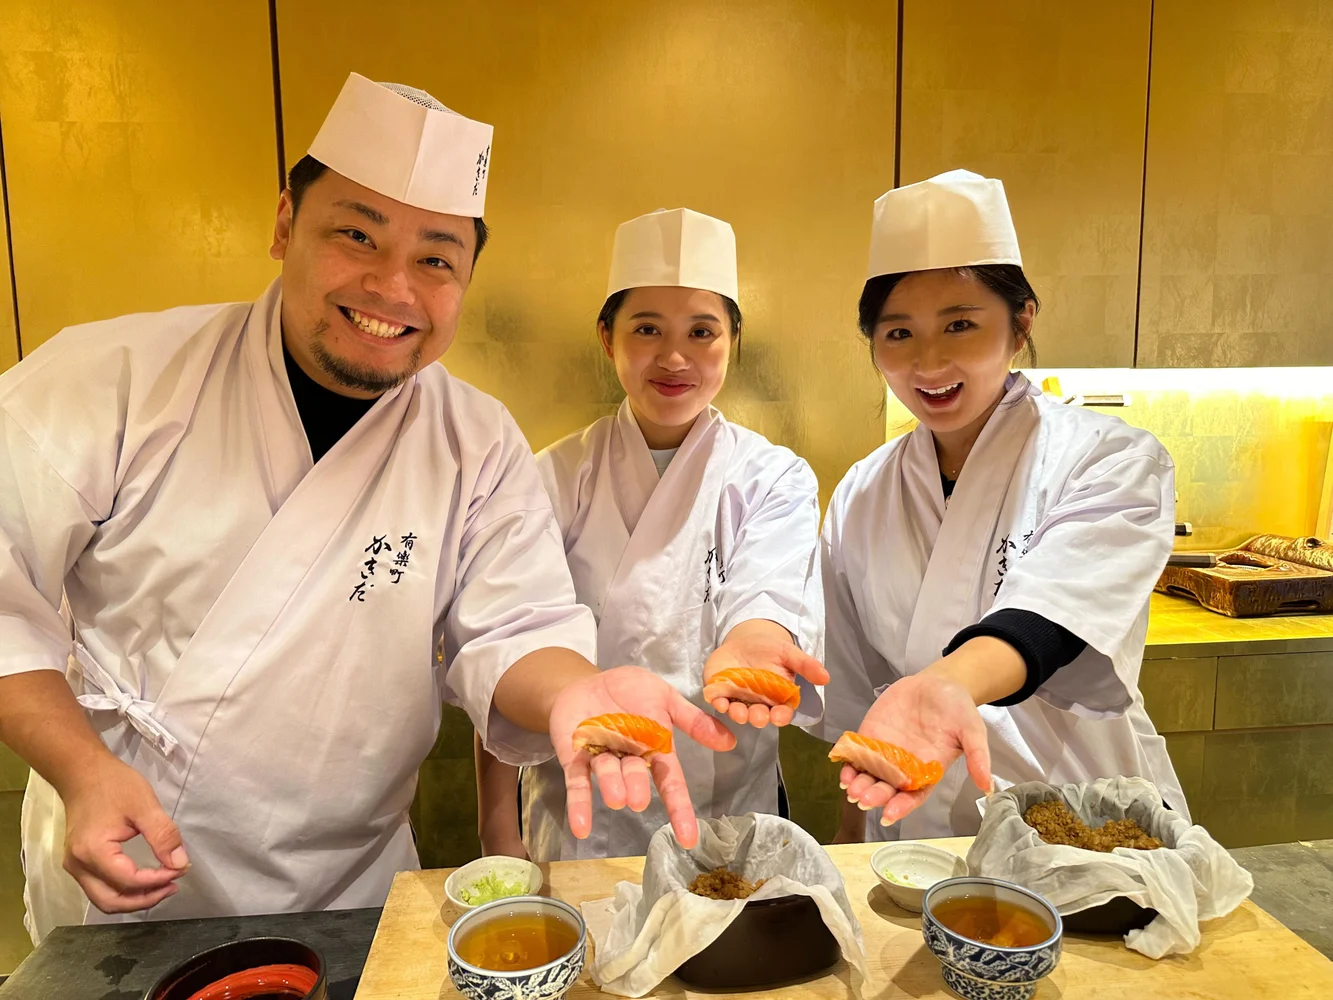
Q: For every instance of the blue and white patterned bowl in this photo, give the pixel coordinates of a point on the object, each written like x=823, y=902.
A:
x=980, y=971
x=546, y=982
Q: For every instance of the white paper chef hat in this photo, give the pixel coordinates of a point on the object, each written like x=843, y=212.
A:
x=956, y=219
x=404, y=144
x=677, y=247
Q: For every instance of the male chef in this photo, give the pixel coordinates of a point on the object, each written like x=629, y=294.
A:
x=263, y=518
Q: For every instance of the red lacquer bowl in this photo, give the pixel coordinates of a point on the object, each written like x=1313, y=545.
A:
x=271, y=968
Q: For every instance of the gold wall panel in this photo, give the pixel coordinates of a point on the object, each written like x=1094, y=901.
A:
x=141, y=155
x=1186, y=751
x=1266, y=786
x=1278, y=689
x=776, y=117
x=1050, y=97
x=1238, y=224
x=14, y=941
x=9, y=344
x=1179, y=693
x=1251, y=446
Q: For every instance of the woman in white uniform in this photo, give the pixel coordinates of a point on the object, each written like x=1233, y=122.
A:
x=987, y=574
x=693, y=540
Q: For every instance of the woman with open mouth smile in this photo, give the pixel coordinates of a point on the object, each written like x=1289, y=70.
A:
x=987, y=574
x=693, y=540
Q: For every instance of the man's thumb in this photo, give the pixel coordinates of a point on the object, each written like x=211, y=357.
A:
x=163, y=837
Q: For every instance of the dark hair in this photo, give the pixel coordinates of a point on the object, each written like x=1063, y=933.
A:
x=307, y=170
x=1006, y=280
x=611, y=307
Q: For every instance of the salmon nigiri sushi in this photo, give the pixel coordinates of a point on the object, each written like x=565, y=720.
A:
x=623, y=735
x=886, y=762
x=753, y=687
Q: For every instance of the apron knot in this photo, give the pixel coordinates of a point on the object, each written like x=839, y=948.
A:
x=110, y=696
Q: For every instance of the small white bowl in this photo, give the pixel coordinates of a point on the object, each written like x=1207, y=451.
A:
x=915, y=867
x=524, y=875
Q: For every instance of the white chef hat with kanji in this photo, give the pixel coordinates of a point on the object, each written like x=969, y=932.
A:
x=956, y=219
x=404, y=144
x=677, y=247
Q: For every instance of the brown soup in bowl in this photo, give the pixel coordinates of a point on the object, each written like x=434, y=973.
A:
x=512, y=942
x=996, y=922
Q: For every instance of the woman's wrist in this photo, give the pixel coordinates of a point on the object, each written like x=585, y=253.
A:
x=987, y=668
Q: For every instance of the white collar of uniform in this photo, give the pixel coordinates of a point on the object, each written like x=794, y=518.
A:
x=633, y=433
x=1017, y=387
x=638, y=479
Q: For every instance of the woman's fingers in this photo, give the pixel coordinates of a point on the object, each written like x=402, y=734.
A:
x=877, y=795
x=638, y=783
x=859, y=786
x=698, y=725
x=578, y=795
x=610, y=779
x=976, y=748
x=799, y=662
x=903, y=803
x=670, y=781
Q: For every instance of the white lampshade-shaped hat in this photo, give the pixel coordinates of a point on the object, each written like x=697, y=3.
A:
x=957, y=219
x=404, y=144
x=677, y=248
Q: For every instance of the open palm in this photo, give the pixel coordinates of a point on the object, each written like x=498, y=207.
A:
x=931, y=717
x=629, y=780
x=759, y=652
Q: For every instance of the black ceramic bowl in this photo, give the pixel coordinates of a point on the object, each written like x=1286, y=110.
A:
x=206, y=968
x=772, y=940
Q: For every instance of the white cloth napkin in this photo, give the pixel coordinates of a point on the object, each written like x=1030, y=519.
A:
x=644, y=933
x=1192, y=878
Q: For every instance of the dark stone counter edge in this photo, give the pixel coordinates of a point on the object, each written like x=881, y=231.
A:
x=122, y=961
x=1293, y=882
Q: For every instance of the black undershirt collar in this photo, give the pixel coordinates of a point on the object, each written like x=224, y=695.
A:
x=325, y=414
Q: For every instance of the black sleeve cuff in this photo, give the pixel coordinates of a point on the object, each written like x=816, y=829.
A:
x=1044, y=646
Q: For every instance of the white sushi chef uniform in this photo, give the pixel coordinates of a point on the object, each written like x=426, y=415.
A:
x=670, y=565
x=256, y=632
x=1058, y=511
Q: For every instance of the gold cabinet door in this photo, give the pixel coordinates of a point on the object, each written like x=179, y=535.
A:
x=1051, y=99
x=140, y=154
x=778, y=118
x=1238, y=210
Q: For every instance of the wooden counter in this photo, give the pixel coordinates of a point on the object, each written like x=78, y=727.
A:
x=1246, y=707
x=1178, y=626
x=1246, y=955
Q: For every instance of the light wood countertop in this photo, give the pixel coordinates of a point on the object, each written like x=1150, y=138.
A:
x=1248, y=954
x=1180, y=627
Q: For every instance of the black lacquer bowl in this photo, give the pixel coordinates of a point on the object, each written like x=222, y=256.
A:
x=209, y=967
x=772, y=941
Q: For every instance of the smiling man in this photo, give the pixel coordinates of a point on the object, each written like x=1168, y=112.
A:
x=264, y=518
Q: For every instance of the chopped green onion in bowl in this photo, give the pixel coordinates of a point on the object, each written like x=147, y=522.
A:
x=899, y=880
x=491, y=887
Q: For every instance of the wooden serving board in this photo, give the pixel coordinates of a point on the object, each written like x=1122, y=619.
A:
x=1255, y=580
x=1246, y=956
